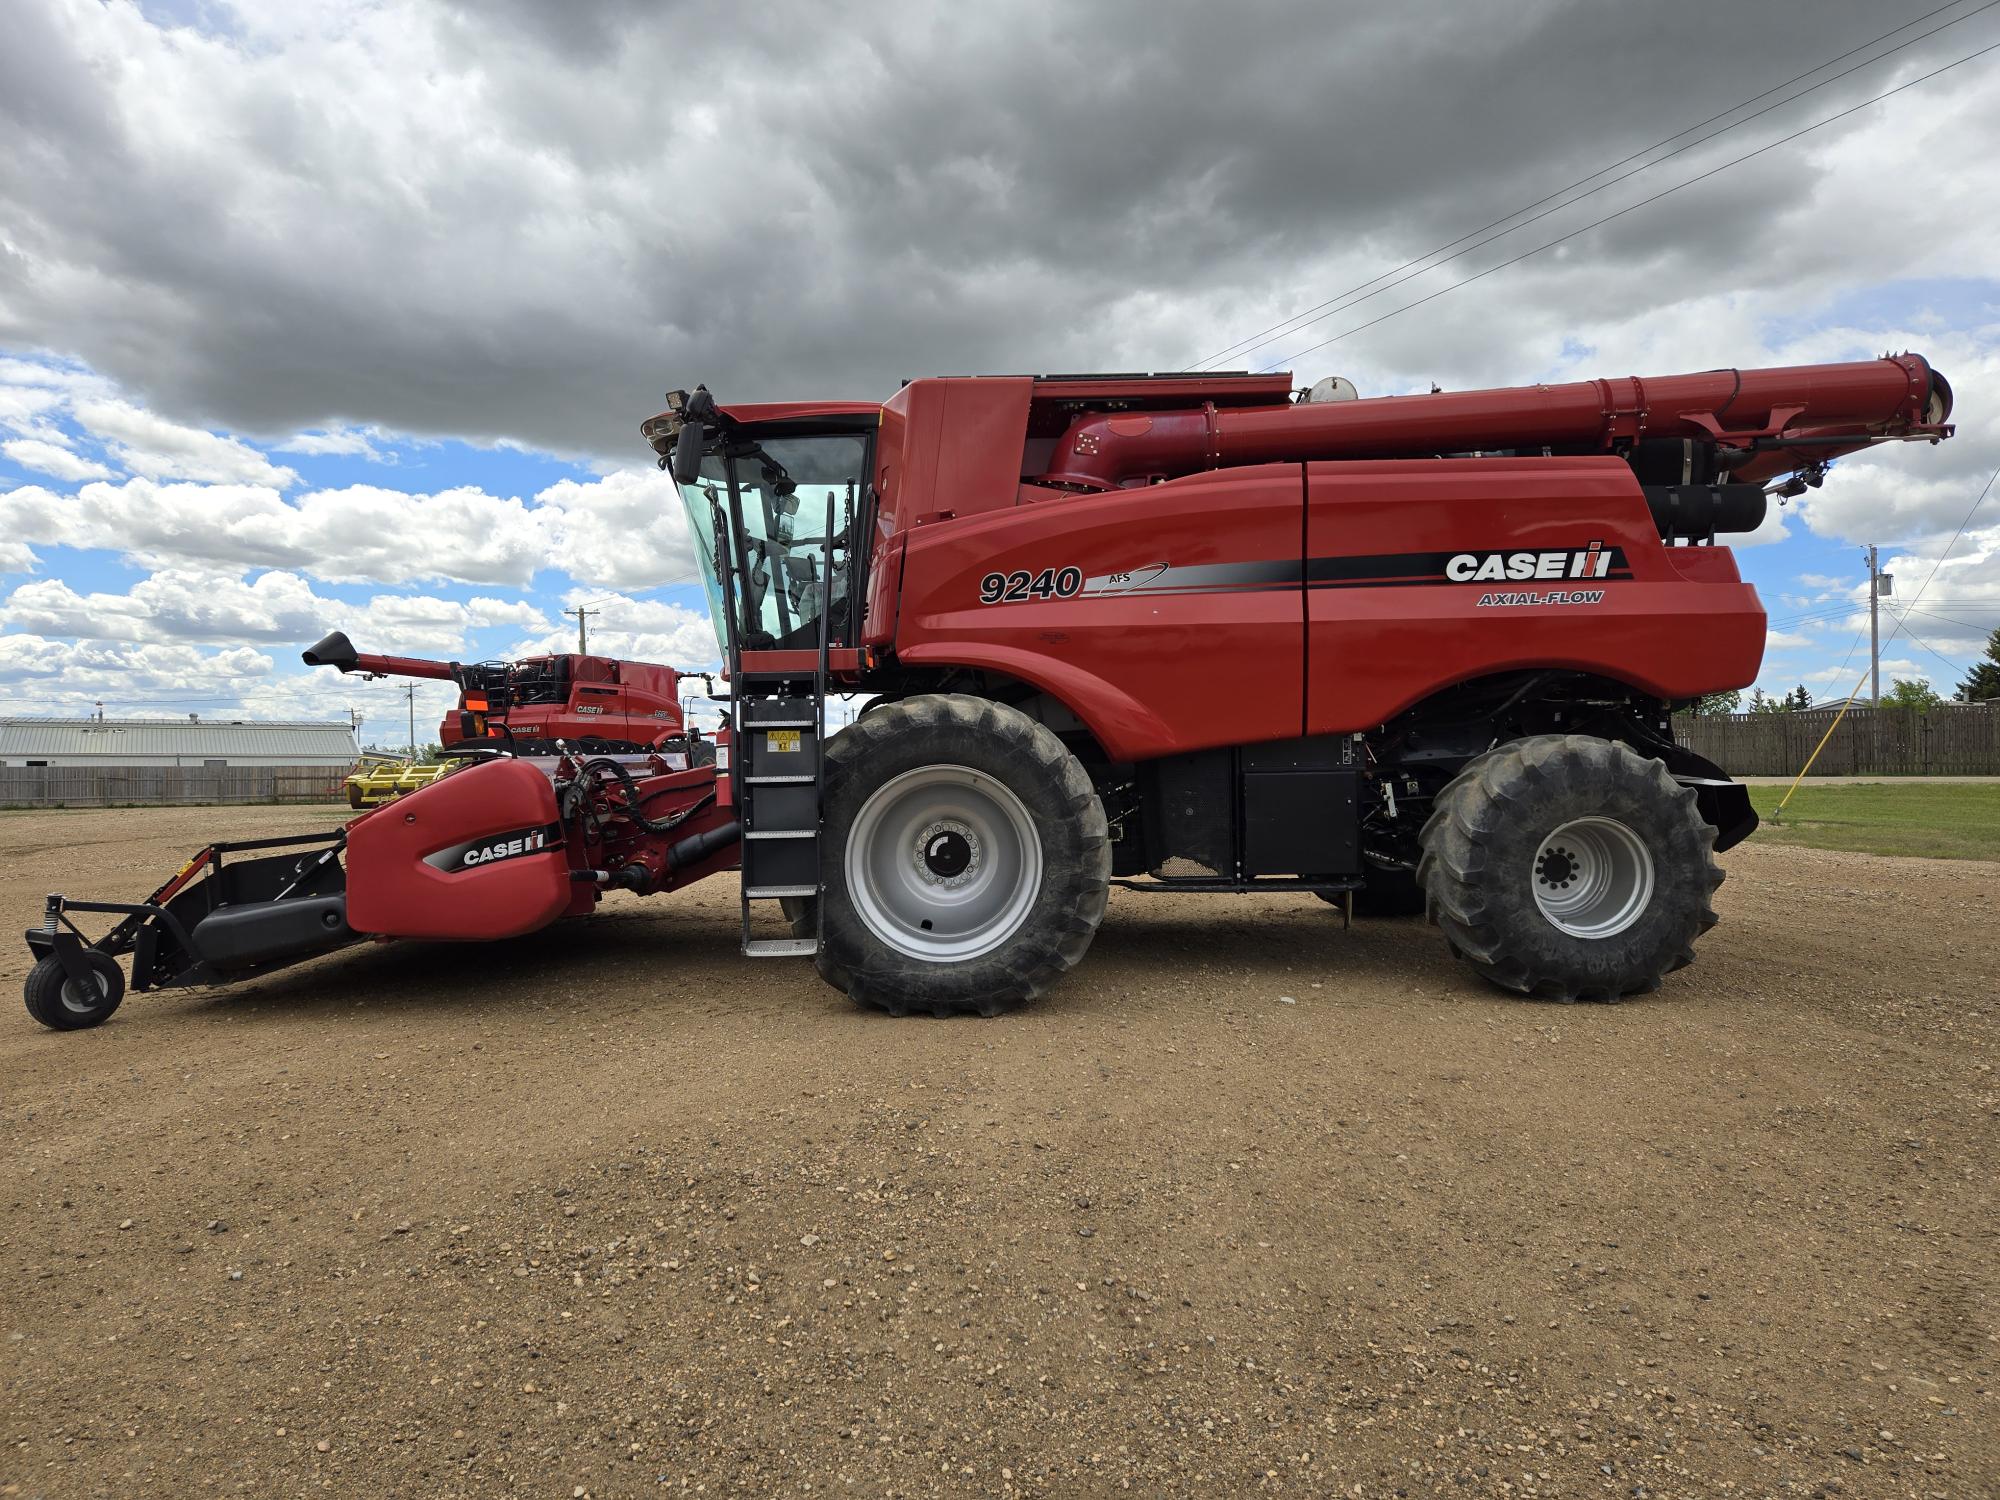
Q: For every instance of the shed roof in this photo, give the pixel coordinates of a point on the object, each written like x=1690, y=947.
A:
x=219, y=738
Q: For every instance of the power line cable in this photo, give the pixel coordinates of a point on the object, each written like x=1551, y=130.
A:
x=1955, y=666
x=1917, y=597
x=1306, y=318
x=1972, y=510
x=1630, y=208
x=1811, y=617
x=1984, y=627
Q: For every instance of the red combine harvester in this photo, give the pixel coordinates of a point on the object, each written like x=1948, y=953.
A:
x=1453, y=629
x=537, y=705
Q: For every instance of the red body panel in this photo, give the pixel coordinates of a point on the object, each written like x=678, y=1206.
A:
x=1149, y=675
x=951, y=447
x=1264, y=602
x=1375, y=647
x=394, y=892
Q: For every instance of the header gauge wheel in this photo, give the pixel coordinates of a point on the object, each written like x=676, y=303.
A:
x=65, y=1004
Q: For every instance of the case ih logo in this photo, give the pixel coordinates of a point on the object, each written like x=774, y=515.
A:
x=1594, y=561
x=495, y=848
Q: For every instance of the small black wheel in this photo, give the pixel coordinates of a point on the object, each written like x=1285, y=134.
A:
x=1388, y=893
x=1569, y=868
x=62, y=1004
x=966, y=859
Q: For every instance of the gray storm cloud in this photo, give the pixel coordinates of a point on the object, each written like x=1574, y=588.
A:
x=525, y=220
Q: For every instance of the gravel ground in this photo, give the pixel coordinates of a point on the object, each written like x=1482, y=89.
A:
x=1249, y=1204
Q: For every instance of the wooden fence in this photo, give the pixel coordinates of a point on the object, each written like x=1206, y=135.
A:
x=112, y=786
x=1869, y=742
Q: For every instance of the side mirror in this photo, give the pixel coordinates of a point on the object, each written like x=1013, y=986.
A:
x=697, y=412
x=688, y=446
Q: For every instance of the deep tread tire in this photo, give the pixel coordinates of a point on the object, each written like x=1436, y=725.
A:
x=1004, y=743
x=1479, y=848
x=54, y=999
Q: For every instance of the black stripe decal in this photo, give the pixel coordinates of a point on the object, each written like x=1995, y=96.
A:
x=1484, y=568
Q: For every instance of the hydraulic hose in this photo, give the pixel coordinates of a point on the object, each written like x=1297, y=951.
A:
x=632, y=811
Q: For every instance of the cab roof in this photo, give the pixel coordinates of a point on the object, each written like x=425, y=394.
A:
x=757, y=413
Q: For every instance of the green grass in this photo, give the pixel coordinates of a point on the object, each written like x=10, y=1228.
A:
x=1937, y=820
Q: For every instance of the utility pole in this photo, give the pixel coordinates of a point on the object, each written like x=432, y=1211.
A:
x=582, y=627
x=1874, y=629
x=410, y=692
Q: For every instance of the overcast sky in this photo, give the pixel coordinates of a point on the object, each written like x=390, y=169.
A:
x=317, y=312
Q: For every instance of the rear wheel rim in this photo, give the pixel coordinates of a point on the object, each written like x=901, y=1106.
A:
x=1592, y=878
x=943, y=863
x=81, y=999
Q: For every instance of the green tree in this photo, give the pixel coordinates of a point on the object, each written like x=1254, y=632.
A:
x=1720, y=703
x=1983, y=686
x=1800, y=698
x=1759, y=704
x=1911, y=697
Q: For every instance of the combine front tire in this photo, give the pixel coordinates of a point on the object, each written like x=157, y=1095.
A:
x=1569, y=868
x=966, y=855
x=63, y=1004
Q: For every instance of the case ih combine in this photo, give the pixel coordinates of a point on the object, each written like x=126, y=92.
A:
x=594, y=704
x=1453, y=628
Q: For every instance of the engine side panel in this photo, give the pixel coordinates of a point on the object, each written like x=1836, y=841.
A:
x=477, y=855
x=1424, y=573
x=1168, y=618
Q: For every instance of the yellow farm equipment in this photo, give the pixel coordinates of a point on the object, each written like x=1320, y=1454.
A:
x=386, y=782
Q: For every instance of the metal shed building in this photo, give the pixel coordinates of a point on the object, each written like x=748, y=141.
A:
x=215, y=744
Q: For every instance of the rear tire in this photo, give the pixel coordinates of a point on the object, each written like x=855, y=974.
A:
x=1569, y=868
x=62, y=1004
x=966, y=854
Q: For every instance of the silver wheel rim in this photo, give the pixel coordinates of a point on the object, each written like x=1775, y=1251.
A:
x=1593, y=877
x=81, y=1000
x=943, y=863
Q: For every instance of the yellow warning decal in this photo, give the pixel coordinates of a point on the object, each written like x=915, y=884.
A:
x=781, y=741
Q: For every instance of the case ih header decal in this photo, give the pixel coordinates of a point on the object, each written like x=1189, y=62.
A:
x=495, y=847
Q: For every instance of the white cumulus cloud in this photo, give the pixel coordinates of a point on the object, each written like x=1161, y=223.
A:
x=277, y=609
x=48, y=458
x=637, y=630
x=624, y=530
x=359, y=534
x=150, y=445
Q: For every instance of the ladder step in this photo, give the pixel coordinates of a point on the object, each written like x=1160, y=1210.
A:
x=777, y=780
x=750, y=724
x=780, y=947
x=783, y=833
x=772, y=892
